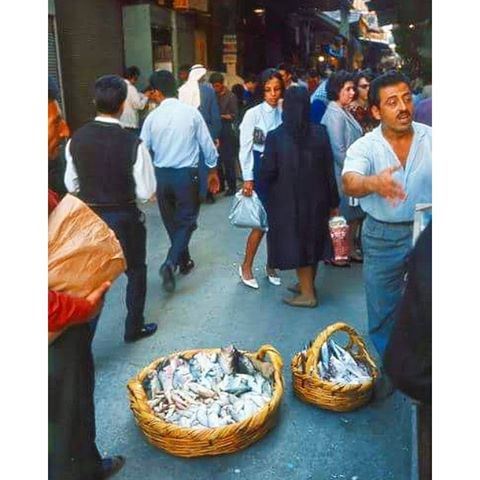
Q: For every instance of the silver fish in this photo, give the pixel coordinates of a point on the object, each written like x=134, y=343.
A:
x=234, y=384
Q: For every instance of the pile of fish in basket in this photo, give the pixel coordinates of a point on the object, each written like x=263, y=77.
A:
x=209, y=390
x=208, y=402
x=332, y=377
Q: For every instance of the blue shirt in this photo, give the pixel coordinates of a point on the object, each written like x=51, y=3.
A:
x=175, y=133
x=372, y=153
x=320, y=93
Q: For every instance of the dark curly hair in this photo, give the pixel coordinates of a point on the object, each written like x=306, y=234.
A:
x=336, y=83
x=392, y=77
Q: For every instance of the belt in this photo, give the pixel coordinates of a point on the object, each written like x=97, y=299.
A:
x=392, y=223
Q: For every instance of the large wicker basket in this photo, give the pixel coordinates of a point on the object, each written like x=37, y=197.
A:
x=188, y=442
x=309, y=387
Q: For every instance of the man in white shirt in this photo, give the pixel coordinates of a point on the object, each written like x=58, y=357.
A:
x=390, y=171
x=135, y=101
x=109, y=168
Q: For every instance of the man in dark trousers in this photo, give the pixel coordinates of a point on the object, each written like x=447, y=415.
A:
x=72, y=452
x=176, y=133
x=110, y=168
x=228, y=106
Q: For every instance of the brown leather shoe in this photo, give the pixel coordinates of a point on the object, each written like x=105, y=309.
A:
x=298, y=301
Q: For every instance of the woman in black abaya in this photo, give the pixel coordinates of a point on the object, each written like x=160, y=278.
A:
x=302, y=194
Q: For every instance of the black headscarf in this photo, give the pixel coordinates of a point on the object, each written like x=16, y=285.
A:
x=296, y=112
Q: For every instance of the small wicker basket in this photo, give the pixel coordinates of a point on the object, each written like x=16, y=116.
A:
x=189, y=442
x=309, y=387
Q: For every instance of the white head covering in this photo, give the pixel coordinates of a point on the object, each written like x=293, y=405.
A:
x=189, y=92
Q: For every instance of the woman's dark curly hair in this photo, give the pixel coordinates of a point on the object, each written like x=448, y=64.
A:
x=336, y=83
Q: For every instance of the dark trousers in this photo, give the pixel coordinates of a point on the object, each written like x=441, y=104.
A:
x=425, y=441
x=227, y=157
x=72, y=453
x=178, y=201
x=129, y=227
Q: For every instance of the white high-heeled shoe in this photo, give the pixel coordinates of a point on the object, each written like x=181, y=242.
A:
x=252, y=283
x=273, y=279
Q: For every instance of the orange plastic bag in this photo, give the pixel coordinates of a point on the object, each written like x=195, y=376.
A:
x=82, y=251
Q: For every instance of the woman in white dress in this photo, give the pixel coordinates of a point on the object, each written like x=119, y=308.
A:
x=256, y=123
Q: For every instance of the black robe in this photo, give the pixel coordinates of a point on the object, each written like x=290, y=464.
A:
x=301, y=192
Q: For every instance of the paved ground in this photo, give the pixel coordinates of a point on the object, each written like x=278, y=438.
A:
x=210, y=308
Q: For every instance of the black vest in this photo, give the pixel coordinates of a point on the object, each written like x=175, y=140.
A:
x=103, y=155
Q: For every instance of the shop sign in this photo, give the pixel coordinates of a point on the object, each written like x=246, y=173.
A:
x=229, y=44
x=200, y=5
x=230, y=39
x=229, y=58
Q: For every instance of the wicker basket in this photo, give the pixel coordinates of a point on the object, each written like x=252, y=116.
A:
x=188, y=442
x=332, y=396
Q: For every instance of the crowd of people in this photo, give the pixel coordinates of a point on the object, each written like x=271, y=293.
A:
x=310, y=148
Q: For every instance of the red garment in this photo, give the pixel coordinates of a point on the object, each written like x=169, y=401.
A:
x=63, y=309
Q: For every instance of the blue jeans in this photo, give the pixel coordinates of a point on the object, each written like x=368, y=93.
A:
x=386, y=248
x=129, y=227
x=178, y=201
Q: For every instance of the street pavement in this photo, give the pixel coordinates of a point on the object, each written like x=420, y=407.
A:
x=211, y=308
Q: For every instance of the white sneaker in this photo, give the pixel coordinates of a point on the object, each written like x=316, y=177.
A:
x=252, y=283
x=273, y=279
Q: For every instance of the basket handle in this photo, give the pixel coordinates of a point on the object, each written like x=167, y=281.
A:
x=274, y=355
x=313, y=353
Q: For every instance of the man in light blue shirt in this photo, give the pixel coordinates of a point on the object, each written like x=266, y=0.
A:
x=390, y=170
x=175, y=133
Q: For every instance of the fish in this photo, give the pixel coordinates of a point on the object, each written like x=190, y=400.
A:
x=228, y=359
x=245, y=365
x=202, y=415
x=234, y=384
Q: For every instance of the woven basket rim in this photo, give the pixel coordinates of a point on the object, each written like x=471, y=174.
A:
x=223, y=431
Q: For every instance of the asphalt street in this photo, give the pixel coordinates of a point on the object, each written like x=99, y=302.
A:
x=211, y=308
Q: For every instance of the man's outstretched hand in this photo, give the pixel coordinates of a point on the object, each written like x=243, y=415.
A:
x=387, y=187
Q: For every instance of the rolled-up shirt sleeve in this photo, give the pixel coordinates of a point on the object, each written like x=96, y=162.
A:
x=205, y=141
x=144, y=174
x=145, y=133
x=357, y=160
x=245, y=155
x=139, y=100
x=71, y=176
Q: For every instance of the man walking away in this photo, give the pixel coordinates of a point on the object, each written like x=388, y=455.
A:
x=228, y=105
x=390, y=170
x=176, y=134
x=109, y=168
x=199, y=94
x=135, y=101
